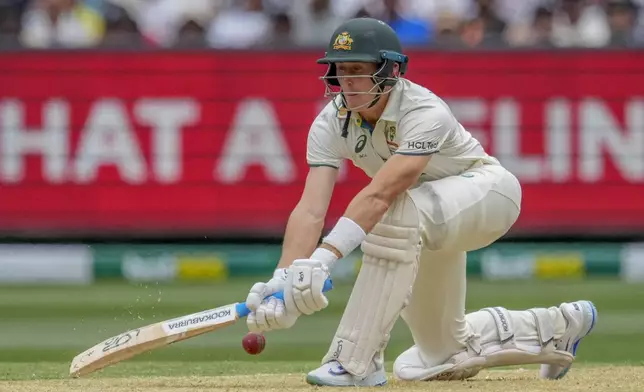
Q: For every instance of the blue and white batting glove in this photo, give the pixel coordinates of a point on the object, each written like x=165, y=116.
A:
x=303, y=288
x=270, y=314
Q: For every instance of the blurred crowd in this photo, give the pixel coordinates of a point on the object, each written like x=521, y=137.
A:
x=242, y=24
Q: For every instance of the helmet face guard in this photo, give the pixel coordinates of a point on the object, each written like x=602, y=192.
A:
x=384, y=76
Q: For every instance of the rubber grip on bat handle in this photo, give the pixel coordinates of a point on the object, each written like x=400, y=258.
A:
x=243, y=311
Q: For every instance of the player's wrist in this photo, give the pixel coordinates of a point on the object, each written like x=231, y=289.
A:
x=345, y=237
x=327, y=257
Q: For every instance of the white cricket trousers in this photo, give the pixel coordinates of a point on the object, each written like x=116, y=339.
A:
x=457, y=214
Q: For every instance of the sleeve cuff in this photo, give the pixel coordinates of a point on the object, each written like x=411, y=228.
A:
x=416, y=153
x=323, y=164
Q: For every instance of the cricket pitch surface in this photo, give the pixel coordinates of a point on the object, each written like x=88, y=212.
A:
x=245, y=377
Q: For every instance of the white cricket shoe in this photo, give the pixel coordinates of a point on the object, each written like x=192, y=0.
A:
x=332, y=374
x=581, y=317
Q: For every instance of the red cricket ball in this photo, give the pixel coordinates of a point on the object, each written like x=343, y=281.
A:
x=254, y=343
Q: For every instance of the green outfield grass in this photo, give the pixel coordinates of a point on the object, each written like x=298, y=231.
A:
x=53, y=324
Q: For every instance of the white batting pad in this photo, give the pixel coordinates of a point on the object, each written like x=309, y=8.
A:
x=507, y=338
x=382, y=289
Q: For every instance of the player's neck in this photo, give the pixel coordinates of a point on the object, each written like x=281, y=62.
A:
x=372, y=114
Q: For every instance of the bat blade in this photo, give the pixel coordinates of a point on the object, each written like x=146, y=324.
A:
x=137, y=341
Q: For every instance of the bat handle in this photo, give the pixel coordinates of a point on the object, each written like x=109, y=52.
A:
x=243, y=311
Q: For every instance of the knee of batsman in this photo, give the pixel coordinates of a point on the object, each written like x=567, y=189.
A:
x=435, y=235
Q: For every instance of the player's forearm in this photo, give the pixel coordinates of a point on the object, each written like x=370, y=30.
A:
x=302, y=233
x=368, y=207
x=365, y=210
x=372, y=202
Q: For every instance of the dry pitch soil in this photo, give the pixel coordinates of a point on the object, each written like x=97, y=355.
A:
x=593, y=378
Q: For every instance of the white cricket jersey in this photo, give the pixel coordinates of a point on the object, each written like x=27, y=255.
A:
x=414, y=122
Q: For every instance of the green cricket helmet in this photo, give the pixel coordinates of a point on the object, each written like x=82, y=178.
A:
x=365, y=40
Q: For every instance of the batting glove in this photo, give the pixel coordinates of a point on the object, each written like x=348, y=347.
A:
x=303, y=288
x=269, y=314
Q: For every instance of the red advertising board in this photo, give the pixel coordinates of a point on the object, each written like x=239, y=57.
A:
x=214, y=143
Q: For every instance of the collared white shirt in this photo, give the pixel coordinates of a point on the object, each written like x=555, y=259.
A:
x=414, y=122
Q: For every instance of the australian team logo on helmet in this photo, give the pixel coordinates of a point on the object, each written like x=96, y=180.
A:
x=343, y=41
x=364, y=40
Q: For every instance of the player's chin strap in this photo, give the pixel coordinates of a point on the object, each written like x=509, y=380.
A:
x=383, y=287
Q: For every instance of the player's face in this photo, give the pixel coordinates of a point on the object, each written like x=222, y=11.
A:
x=355, y=80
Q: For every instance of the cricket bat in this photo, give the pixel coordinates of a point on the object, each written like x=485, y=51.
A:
x=128, y=344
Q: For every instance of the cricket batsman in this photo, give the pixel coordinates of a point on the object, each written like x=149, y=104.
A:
x=434, y=195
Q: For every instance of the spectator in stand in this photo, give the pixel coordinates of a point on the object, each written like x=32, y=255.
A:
x=432, y=10
x=537, y=34
x=61, y=23
x=448, y=27
x=486, y=11
x=639, y=27
x=244, y=25
x=485, y=28
x=472, y=33
x=312, y=21
x=412, y=31
x=541, y=36
x=520, y=12
x=305, y=23
x=165, y=22
x=282, y=34
x=11, y=12
x=191, y=34
x=121, y=30
x=191, y=23
x=579, y=23
x=622, y=20
x=346, y=9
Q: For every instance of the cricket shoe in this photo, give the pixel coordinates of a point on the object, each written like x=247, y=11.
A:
x=581, y=317
x=332, y=374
